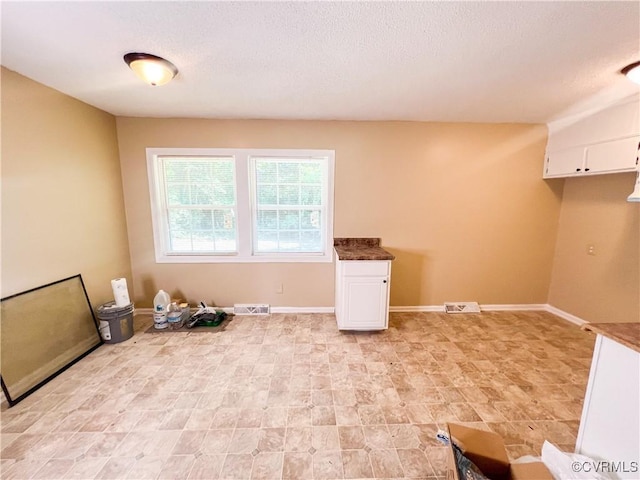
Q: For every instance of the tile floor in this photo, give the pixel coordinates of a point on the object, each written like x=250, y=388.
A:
x=289, y=396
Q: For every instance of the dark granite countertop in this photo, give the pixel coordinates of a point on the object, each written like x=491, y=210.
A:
x=360, y=249
x=627, y=334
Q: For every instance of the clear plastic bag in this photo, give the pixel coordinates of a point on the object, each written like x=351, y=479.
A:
x=570, y=466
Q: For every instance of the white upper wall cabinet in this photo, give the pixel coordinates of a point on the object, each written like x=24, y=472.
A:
x=606, y=141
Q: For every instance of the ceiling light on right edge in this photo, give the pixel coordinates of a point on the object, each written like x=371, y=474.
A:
x=150, y=68
x=632, y=72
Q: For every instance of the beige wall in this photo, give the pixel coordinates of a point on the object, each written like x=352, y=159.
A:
x=462, y=206
x=604, y=287
x=62, y=202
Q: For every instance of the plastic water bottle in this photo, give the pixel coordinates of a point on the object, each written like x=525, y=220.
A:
x=160, y=303
x=174, y=316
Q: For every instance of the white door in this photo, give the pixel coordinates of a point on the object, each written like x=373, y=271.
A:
x=365, y=303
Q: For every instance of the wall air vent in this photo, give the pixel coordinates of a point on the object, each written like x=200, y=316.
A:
x=251, y=309
x=461, y=307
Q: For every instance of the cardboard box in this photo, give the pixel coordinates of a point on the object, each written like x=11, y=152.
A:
x=486, y=450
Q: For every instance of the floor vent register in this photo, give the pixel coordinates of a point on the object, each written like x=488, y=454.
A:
x=461, y=307
x=251, y=309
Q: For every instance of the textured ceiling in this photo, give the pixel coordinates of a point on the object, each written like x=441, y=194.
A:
x=434, y=61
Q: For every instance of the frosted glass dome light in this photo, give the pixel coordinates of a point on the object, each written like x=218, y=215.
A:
x=632, y=72
x=150, y=68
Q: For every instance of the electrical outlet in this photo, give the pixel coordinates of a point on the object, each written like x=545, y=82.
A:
x=591, y=249
x=279, y=288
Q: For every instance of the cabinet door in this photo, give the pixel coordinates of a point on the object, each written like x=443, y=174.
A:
x=365, y=303
x=610, y=415
x=613, y=156
x=565, y=163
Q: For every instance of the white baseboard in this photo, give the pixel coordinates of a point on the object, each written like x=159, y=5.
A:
x=302, y=310
x=417, y=308
x=565, y=315
x=149, y=311
x=544, y=307
x=486, y=308
x=513, y=307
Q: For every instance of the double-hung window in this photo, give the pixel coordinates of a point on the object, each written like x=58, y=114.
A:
x=241, y=205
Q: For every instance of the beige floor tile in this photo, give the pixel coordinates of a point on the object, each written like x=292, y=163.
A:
x=356, y=464
x=274, y=417
x=327, y=465
x=146, y=468
x=371, y=415
x=105, y=444
x=298, y=439
x=207, y=467
x=23, y=468
x=244, y=440
x=272, y=439
x=176, y=466
x=347, y=416
x=76, y=446
x=225, y=417
x=415, y=463
x=323, y=416
x=116, y=468
x=267, y=466
x=54, y=469
x=200, y=419
x=297, y=465
x=85, y=468
x=250, y=418
x=46, y=423
x=404, y=436
x=237, y=466
x=289, y=396
x=351, y=438
x=189, y=442
x=21, y=446
x=325, y=438
x=50, y=445
x=386, y=463
x=299, y=417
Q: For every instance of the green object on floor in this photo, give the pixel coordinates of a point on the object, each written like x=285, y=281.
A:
x=207, y=319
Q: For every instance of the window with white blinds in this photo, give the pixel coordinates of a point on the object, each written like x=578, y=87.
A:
x=289, y=211
x=200, y=196
x=241, y=205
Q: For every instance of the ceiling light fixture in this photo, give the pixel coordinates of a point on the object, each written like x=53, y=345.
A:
x=632, y=72
x=150, y=68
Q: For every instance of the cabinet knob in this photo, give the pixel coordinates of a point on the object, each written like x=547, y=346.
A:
x=578, y=169
x=586, y=169
x=384, y=281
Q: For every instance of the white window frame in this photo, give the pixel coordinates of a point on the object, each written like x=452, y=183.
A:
x=245, y=201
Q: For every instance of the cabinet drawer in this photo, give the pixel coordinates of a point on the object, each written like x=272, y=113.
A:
x=365, y=267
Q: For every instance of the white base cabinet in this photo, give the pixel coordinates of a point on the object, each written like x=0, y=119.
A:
x=362, y=294
x=610, y=425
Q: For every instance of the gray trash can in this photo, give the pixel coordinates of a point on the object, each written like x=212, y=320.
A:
x=115, y=323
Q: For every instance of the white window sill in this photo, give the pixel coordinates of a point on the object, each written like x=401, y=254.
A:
x=280, y=258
